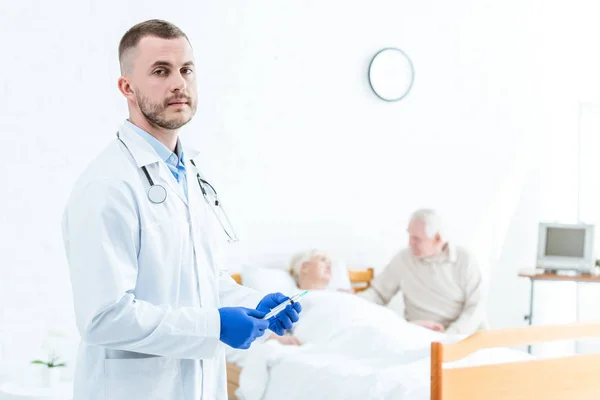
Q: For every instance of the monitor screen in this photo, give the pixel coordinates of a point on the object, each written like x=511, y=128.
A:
x=565, y=242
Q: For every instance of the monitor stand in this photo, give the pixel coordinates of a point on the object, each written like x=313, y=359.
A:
x=564, y=272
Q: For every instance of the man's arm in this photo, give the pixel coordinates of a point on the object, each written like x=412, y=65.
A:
x=473, y=313
x=386, y=284
x=101, y=235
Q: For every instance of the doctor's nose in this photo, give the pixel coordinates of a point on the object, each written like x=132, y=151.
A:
x=178, y=83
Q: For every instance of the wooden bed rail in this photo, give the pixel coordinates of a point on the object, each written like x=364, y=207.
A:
x=518, y=337
x=573, y=377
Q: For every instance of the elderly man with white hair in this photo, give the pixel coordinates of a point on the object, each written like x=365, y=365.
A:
x=442, y=285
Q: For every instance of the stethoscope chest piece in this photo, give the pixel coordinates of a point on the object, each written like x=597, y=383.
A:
x=157, y=194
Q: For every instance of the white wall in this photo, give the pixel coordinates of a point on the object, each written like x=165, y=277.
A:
x=300, y=150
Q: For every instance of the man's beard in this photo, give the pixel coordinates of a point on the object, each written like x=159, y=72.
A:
x=154, y=111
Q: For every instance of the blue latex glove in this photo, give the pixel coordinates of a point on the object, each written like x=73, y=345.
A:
x=241, y=326
x=286, y=318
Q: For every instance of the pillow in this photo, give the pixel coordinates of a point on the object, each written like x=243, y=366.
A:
x=269, y=280
x=339, y=276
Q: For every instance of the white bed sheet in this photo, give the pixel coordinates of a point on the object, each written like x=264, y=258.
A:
x=353, y=350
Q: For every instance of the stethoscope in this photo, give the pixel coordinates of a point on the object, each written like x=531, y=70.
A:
x=157, y=194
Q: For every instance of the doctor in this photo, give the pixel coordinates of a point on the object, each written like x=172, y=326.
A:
x=139, y=229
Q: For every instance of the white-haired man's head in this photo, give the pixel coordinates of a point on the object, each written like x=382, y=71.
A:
x=426, y=233
x=311, y=269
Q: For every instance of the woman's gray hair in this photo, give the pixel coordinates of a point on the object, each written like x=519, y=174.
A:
x=432, y=221
x=302, y=257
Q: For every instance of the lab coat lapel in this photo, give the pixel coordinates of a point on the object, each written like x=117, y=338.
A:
x=203, y=237
x=145, y=156
x=167, y=177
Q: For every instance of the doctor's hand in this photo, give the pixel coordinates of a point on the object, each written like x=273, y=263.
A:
x=286, y=318
x=241, y=326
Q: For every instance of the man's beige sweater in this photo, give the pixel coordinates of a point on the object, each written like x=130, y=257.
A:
x=449, y=289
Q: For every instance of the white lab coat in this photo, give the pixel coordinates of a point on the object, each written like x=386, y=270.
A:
x=146, y=311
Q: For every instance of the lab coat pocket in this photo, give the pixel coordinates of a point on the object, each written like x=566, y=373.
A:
x=154, y=378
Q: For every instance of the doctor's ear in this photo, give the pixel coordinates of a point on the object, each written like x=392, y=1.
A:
x=125, y=88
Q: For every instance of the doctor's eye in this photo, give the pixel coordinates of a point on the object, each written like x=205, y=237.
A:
x=187, y=71
x=160, y=72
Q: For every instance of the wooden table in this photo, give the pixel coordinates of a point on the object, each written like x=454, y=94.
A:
x=534, y=276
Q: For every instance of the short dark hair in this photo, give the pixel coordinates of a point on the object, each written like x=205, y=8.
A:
x=152, y=27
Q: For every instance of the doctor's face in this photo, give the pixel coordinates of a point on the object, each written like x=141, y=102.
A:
x=163, y=79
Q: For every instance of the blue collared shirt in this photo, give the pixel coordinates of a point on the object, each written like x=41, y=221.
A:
x=175, y=163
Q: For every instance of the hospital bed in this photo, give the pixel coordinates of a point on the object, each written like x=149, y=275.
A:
x=360, y=280
x=572, y=377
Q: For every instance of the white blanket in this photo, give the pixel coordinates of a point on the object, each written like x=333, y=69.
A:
x=353, y=350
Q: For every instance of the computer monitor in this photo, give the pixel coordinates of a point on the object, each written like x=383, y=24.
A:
x=566, y=247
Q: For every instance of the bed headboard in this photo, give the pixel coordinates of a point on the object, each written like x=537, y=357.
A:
x=360, y=278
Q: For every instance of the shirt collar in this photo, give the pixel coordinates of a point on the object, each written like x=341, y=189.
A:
x=163, y=152
x=141, y=149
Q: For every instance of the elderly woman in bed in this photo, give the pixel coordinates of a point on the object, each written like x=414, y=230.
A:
x=312, y=270
x=332, y=314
